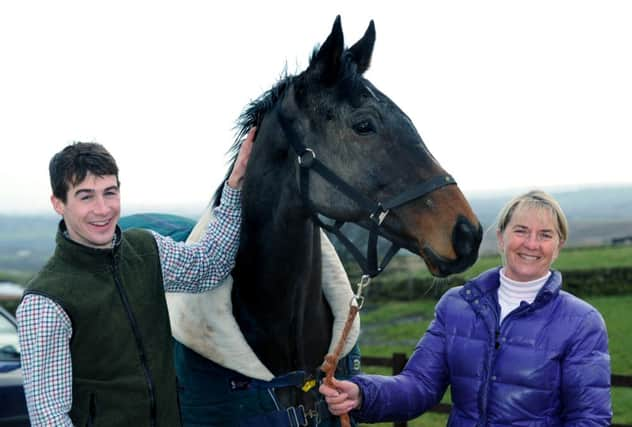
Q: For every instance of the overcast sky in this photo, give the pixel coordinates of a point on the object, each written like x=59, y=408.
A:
x=507, y=95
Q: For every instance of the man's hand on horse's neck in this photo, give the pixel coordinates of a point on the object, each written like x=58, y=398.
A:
x=239, y=168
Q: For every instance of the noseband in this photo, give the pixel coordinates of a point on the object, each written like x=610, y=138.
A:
x=375, y=211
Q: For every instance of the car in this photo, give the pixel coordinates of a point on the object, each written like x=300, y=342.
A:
x=13, y=411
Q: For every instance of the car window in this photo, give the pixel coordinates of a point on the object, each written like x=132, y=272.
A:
x=9, y=344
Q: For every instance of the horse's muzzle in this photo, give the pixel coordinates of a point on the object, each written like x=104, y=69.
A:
x=466, y=239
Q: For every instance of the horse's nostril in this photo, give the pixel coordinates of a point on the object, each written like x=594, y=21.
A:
x=466, y=238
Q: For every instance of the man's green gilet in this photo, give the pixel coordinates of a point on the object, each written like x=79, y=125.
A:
x=121, y=348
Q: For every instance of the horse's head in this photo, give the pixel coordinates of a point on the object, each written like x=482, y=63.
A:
x=364, y=139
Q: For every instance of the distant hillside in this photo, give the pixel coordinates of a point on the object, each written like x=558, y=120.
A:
x=596, y=216
x=26, y=241
x=593, y=204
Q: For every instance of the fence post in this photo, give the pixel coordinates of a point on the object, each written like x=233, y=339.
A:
x=399, y=361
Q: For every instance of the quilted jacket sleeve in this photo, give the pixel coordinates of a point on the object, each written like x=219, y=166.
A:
x=586, y=375
x=416, y=389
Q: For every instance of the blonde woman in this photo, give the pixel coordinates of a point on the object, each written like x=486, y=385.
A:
x=514, y=348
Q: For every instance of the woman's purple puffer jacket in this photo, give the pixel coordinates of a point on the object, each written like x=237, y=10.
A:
x=547, y=364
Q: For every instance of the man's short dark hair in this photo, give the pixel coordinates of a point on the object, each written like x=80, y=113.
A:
x=72, y=164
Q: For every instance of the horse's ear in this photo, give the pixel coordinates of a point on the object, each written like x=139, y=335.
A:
x=325, y=65
x=363, y=49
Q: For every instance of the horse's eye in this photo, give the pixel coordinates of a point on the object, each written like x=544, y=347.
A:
x=364, y=127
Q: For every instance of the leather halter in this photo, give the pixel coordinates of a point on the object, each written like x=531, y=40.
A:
x=376, y=211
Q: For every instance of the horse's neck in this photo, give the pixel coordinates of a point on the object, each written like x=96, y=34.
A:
x=278, y=268
x=279, y=256
x=277, y=295
x=280, y=244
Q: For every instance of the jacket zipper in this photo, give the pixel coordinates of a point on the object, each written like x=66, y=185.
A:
x=500, y=326
x=495, y=333
x=139, y=344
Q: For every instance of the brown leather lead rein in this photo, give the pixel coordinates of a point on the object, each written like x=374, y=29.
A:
x=331, y=360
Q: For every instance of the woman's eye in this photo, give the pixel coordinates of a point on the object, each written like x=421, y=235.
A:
x=364, y=127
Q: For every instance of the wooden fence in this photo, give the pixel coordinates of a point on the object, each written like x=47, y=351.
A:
x=398, y=361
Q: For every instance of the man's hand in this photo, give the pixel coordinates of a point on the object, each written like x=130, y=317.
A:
x=239, y=168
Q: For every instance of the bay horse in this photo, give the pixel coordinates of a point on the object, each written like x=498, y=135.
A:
x=329, y=144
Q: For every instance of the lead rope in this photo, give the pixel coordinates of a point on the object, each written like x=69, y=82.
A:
x=331, y=360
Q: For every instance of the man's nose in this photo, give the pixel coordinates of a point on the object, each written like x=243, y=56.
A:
x=100, y=205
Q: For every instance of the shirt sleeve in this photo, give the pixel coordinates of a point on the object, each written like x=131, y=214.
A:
x=204, y=265
x=44, y=331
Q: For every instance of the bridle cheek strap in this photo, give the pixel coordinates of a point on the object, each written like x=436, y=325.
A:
x=376, y=212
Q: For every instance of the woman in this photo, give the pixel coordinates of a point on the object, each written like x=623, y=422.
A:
x=515, y=349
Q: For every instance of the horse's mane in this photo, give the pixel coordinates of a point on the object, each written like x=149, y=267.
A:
x=252, y=116
x=254, y=112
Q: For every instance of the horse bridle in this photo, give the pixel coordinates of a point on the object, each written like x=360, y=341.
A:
x=377, y=211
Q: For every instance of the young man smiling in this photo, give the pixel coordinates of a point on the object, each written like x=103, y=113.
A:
x=93, y=323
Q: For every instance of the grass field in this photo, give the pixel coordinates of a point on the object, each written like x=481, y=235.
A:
x=396, y=327
x=570, y=259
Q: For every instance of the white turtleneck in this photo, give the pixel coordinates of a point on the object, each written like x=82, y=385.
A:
x=512, y=292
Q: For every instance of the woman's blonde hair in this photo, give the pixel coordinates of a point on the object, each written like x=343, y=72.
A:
x=536, y=199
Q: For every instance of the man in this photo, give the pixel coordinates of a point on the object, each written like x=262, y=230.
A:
x=93, y=323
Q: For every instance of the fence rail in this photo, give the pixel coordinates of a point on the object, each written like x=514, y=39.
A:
x=398, y=360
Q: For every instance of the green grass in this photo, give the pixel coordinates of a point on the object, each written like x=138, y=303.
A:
x=395, y=327
x=570, y=259
x=587, y=258
x=617, y=314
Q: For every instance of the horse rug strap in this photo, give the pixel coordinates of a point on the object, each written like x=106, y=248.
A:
x=296, y=416
x=292, y=417
x=209, y=391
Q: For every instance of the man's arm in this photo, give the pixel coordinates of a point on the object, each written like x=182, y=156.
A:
x=204, y=265
x=44, y=331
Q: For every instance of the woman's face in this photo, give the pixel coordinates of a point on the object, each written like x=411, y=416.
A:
x=529, y=244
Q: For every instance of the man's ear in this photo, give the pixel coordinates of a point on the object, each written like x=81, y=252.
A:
x=58, y=205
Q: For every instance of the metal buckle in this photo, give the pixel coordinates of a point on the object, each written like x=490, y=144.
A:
x=379, y=214
x=293, y=415
x=311, y=413
x=306, y=159
x=358, y=299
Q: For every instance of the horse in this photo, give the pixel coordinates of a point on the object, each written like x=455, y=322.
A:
x=329, y=146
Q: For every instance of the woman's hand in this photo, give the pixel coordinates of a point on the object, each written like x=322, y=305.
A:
x=343, y=398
